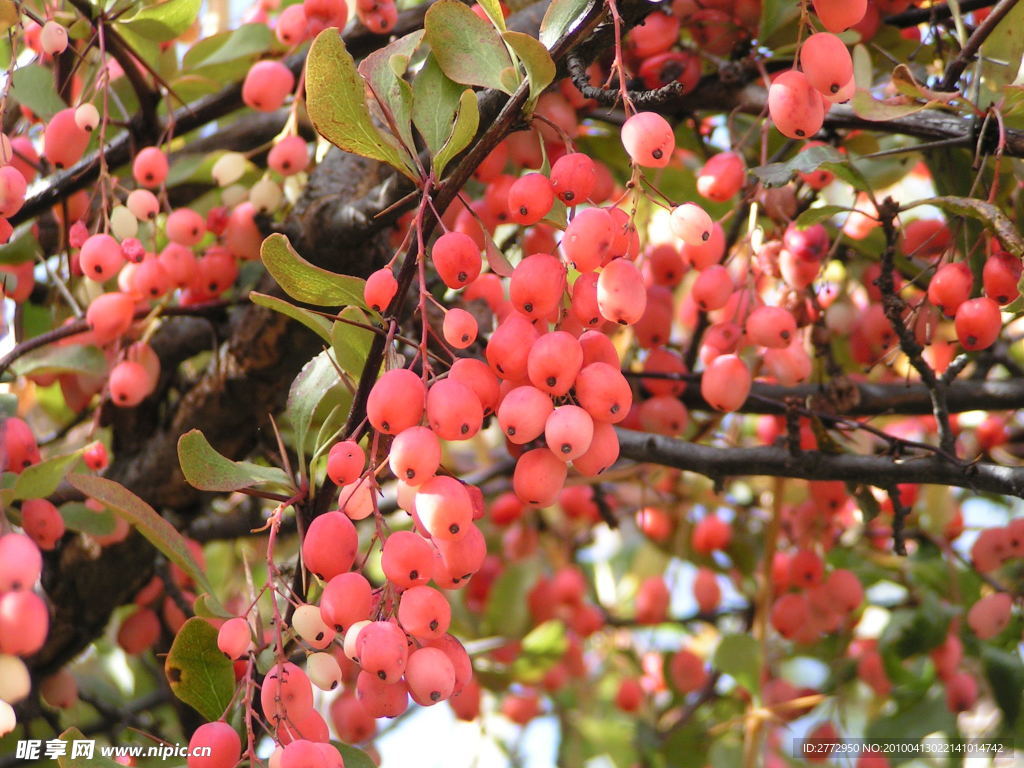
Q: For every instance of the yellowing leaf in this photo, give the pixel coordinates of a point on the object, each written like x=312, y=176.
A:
x=336, y=102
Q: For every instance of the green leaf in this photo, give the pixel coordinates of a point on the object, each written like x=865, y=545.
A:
x=862, y=69
x=78, y=517
x=42, y=479
x=987, y=213
x=540, y=67
x=1005, y=675
x=204, y=468
x=354, y=757
x=1004, y=43
x=164, y=22
x=321, y=326
x=561, y=17
x=307, y=282
x=198, y=673
x=775, y=14
x=817, y=215
x=469, y=50
x=739, y=656
x=384, y=70
x=315, y=380
x=73, y=358
x=33, y=86
x=336, y=103
x=463, y=131
x=64, y=761
x=160, y=533
x=20, y=248
x=777, y=174
x=493, y=10
x=218, y=52
x=351, y=344
x=506, y=613
x=847, y=172
x=542, y=647
x=435, y=101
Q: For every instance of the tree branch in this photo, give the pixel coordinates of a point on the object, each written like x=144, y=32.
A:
x=973, y=45
x=880, y=471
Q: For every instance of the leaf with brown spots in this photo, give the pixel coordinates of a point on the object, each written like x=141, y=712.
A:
x=198, y=673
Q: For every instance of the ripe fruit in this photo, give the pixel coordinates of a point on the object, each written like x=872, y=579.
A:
x=139, y=631
x=691, y=224
x=234, y=637
x=457, y=259
x=568, y=432
x=706, y=591
x=712, y=288
x=711, y=533
x=1000, y=276
x=990, y=615
x=573, y=177
x=722, y=176
x=380, y=699
x=383, y=651
x=129, y=384
x=648, y=139
x=415, y=455
x=453, y=410
x=267, y=85
x=291, y=154
x=424, y=612
x=20, y=562
x=537, y=285
x=396, y=402
x=772, y=327
x=839, y=15
x=430, y=676
x=588, y=239
x=407, y=559
x=330, y=545
x=460, y=328
x=346, y=599
x=64, y=142
x=539, y=476
x=725, y=383
x=686, y=671
x=554, y=361
x=101, y=257
x=345, y=462
x=224, y=745
x=826, y=62
x=42, y=522
x=321, y=14
x=950, y=287
x=978, y=322
x=150, y=167
x=530, y=199
x=185, y=226
x=795, y=105
x=24, y=621
x=444, y=507
x=621, y=296
x=604, y=392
